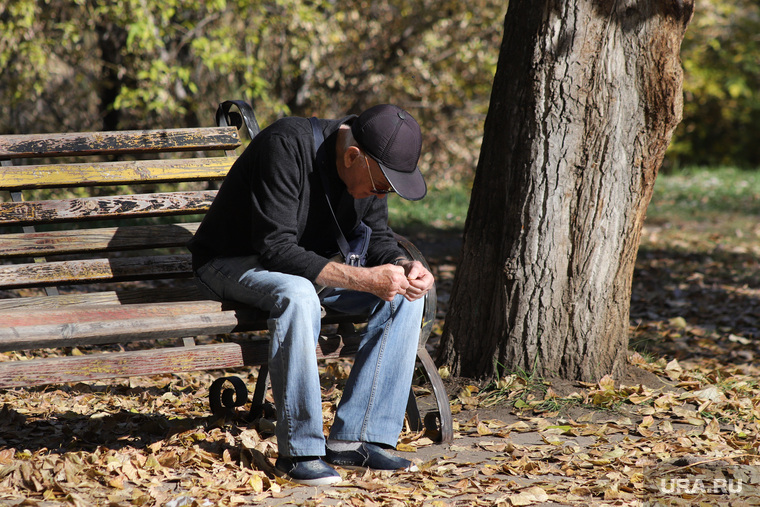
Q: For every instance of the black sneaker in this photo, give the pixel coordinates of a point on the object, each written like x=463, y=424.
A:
x=310, y=471
x=369, y=456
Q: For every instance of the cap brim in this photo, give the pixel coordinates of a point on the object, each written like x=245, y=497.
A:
x=410, y=186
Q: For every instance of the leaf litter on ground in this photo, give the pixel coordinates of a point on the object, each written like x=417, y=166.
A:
x=689, y=412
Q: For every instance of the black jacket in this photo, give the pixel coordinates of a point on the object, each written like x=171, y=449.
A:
x=272, y=204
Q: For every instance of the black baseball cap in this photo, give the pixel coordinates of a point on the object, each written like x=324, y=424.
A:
x=393, y=138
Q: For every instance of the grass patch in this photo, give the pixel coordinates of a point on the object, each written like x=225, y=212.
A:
x=443, y=208
x=708, y=194
x=702, y=192
x=705, y=210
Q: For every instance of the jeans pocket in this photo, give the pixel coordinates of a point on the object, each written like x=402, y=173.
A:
x=204, y=287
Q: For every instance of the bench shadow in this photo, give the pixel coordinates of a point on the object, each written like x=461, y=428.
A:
x=60, y=432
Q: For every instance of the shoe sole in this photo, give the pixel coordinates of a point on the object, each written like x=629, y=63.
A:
x=356, y=468
x=324, y=481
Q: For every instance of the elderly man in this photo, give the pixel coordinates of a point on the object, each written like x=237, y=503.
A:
x=303, y=191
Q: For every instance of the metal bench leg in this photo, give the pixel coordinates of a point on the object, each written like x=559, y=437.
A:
x=441, y=399
x=413, y=413
x=259, y=408
x=223, y=400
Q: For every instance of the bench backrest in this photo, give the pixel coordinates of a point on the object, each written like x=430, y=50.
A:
x=105, y=207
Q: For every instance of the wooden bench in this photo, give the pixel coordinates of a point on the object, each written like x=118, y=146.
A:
x=93, y=228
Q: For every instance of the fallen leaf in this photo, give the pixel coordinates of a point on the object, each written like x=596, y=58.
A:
x=483, y=429
x=520, y=427
x=529, y=496
x=249, y=439
x=710, y=393
x=673, y=370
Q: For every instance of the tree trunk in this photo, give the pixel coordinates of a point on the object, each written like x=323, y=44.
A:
x=585, y=100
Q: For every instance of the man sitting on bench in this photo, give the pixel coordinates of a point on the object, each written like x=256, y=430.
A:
x=303, y=191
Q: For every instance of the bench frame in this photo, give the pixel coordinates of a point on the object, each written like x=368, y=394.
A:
x=109, y=259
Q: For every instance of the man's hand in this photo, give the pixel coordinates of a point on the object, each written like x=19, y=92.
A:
x=387, y=281
x=420, y=280
x=411, y=279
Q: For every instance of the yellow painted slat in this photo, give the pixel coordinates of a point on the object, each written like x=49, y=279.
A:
x=113, y=173
x=126, y=141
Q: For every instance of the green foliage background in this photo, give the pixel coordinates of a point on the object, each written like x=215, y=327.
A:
x=71, y=65
x=721, y=58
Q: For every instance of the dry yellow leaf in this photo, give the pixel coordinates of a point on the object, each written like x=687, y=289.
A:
x=529, y=496
x=256, y=483
x=710, y=393
x=116, y=482
x=422, y=442
x=406, y=448
x=130, y=471
x=673, y=370
x=483, y=429
x=6, y=456
x=520, y=427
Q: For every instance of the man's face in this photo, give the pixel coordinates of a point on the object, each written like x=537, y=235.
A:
x=384, y=188
x=364, y=178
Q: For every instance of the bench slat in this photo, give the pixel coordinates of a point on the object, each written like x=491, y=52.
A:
x=119, y=364
x=103, y=332
x=41, y=274
x=90, y=208
x=118, y=331
x=103, y=239
x=23, y=320
x=176, y=293
x=152, y=362
x=102, y=313
x=117, y=142
x=23, y=177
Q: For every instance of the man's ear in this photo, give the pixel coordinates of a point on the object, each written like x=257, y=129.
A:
x=350, y=155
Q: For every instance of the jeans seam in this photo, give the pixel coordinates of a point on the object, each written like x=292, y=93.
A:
x=381, y=353
x=282, y=368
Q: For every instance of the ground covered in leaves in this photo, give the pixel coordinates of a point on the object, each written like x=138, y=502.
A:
x=681, y=428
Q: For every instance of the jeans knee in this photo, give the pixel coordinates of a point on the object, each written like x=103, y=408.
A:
x=299, y=293
x=401, y=304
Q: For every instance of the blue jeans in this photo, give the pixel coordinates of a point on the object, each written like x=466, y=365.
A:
x=374, y=401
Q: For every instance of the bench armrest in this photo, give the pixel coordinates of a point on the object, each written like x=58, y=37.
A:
x=431, y=300
x=245, y=116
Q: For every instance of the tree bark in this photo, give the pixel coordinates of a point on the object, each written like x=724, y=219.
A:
x=585, y=100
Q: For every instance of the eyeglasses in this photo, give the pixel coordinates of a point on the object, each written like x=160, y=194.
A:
x=374, y=189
